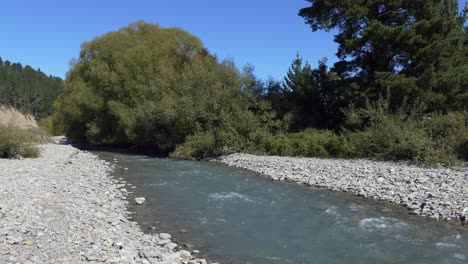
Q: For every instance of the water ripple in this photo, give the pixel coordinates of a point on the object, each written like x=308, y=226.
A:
x=380, y=223
x=230, y=196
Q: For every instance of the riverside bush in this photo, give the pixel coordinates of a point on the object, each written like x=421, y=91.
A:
x=430, y=139
x=394, y=139
x=197, y=146
x=462, y=147
x=307, y=143
x=408, y=134
x=15, y=143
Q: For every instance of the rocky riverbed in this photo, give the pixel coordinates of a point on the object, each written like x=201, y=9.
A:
x=65, y=207
x=437, y=193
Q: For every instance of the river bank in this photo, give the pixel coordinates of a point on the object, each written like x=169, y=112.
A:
x=236, y=216
x=437, y=193
x=65, y=207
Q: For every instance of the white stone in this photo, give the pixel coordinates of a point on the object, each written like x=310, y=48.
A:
x=165, y=236
x=140, y=200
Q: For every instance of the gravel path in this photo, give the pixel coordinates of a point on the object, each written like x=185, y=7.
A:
x=438, y=193
x=64, y=207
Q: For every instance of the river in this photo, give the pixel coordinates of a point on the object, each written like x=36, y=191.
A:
x=235, y=216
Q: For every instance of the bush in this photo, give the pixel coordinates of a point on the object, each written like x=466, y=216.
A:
x=197, y=146
x=377, y=132
x=50, y=125
x=407, y=133
x=308, y=143
x=462, y=147
x=15, y=143
x=394, y=139
x=430, y=139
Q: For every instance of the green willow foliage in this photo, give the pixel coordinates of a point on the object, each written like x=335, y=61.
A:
x=153, y=86
x=28, y=90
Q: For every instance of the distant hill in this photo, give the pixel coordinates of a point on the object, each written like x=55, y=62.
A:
x=28, y=90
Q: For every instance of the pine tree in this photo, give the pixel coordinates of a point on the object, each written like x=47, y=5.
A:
x=416, y=49
x=306, y=93
x=27, y=90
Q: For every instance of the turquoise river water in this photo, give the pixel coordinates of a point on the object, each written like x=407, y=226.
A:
x=235, y=216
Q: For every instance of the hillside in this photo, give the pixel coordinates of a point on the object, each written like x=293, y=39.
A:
x=28, y=90
x=10, y=116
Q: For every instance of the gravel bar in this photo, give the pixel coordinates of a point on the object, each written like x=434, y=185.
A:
x=65, y=207
x=437, y=193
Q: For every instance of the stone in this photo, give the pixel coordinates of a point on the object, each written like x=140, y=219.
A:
x=170, y=246
x=118, y=245
x=397, y=182
x=184, y=254
x=163, y=242
x=28, y=242
x=151, y=253
x=362, y=193
x=64, y=207
x=68, y=201
x=140, y=200
x=100, y=215
x=165, y=236
x=13, y=240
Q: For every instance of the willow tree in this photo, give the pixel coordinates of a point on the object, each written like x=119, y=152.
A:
x=155, y=86
x=415, y=49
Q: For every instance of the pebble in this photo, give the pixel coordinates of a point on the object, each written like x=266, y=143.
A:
x=65, y=207
x=164, y=236
x=28, y=242
x=140, y=200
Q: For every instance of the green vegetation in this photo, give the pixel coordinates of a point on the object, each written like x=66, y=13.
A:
x=145, y=85
x=15, y=143
x=28, y=90
x=31, y=92
x=416, y=49
x=409, y=134
x=414, y=136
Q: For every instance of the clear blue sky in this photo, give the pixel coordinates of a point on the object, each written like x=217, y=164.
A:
x=47, y=34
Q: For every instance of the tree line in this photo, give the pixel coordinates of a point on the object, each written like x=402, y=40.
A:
x=398, y=91
x=409, y=52
x=28, y=90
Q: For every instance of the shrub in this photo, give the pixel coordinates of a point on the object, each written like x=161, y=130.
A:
x=15, y=143
x=308, y=143
x=260, y=142
x=375, y=132
x=395, y=139
x=51, y=125
x=462, y=147
x=197, y=146
x=407, y=133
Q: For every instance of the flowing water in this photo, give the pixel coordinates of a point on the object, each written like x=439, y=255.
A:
x=234, y=216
